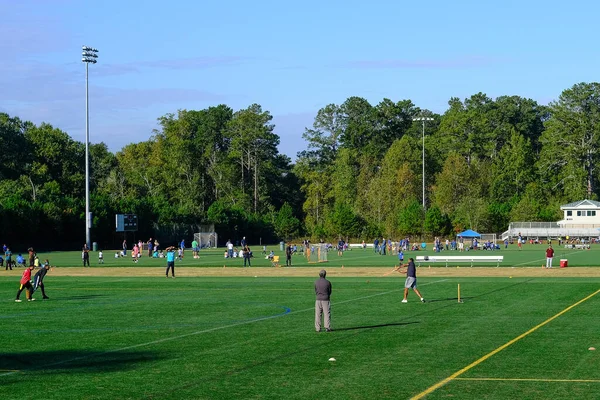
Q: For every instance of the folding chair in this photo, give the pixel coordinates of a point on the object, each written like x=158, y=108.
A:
x=275, y=262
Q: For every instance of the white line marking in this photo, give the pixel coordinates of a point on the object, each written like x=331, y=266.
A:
x=169, y=339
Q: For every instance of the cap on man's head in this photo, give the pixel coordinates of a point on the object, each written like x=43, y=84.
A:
x=322, y=273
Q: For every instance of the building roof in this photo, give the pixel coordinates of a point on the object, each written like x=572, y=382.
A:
x=581, y=203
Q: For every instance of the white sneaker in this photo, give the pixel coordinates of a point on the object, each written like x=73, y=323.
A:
x=18, y=301
x=405, y=301
x=422, y=300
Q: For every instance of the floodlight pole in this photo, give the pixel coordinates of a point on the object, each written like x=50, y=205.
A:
x=88, y=55
x=423, y=119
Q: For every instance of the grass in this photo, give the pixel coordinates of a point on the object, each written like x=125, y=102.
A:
x=247, y=338
x=530, y=256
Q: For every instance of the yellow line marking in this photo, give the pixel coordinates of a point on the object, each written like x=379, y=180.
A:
x=528, y=380
x=499, y=349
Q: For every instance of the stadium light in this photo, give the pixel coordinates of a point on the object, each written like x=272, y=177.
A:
x=89, y=56
x=423, y=119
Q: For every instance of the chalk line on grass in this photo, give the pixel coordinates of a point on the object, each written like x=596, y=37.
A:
x=530, y=380
x=455, y=375
x=218, y=328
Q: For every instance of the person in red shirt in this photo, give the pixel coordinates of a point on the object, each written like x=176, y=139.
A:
x=549, y=256
x=26, y=284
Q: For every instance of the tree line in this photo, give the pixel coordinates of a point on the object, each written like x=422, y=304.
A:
x=487, y=162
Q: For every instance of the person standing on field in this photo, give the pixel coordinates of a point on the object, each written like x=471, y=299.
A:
x=85, y=255
x=171, y=261
x=26, y=284
x=322, y=304
x=288, y=255
x=411, y=279
x=195, y=249
x=549, y=256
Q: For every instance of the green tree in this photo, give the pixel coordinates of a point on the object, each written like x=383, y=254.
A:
x=513, y=169
x=254, y=145
x=343, y=222
x=436, y=223
x=286, y=224
x=571, y=142
x=410, y=219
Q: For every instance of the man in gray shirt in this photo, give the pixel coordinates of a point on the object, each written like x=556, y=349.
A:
x=411, y=279
x=322, y=305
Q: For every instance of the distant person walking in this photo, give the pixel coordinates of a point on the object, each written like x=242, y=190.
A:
x=549, y=256
x=411, y=279
x=322, y=304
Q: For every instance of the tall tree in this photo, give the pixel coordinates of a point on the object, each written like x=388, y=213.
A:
x=254, y=144
x=323, y=139
x=512, y=170
x=570, y=153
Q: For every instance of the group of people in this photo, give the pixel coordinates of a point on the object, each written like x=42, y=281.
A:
x=245, y=252
x=31, y=285
x=323, y=290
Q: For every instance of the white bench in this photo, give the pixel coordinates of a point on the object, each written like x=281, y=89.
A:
x=577, y=246
x=359, y=245
x=460, y=259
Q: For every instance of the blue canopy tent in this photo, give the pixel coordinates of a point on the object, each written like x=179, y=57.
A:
x=469, y=234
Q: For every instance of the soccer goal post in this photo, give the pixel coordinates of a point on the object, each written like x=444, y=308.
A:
x=316, y=253
x=207, y=238
x=488, y=236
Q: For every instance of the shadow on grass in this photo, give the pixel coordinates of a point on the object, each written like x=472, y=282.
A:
x=80, y=361
x=448, y=299
x=375, y=326
x=84, y=297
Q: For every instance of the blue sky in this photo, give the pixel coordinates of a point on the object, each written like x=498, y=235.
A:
x=291, y=57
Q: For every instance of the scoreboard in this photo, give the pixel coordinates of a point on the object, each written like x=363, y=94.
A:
x=126, y=222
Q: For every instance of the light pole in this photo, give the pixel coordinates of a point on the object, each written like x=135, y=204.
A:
x=423, y=119
x=88, y=55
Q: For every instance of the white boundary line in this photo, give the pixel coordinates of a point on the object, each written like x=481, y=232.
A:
x=169, y=339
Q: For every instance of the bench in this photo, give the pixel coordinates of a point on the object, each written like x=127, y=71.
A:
x=577, y=246
x=359, y=245
x=460, y=259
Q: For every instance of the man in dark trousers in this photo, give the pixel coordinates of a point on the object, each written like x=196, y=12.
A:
x=85, y=255
x=38, y=279
x=288, y=255
x=411, y=279
x=322, y=305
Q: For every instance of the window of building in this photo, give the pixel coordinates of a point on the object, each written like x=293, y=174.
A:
x=591, y=213
x=569, y=213
x=579, y=213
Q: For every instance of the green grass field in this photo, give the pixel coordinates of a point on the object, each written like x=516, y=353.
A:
x=530, y=256
x=247, y=338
